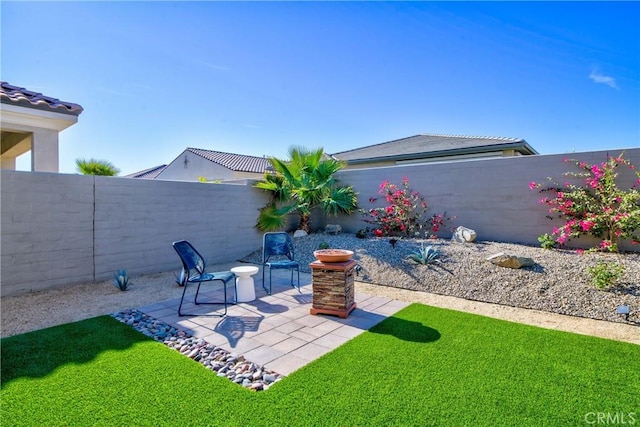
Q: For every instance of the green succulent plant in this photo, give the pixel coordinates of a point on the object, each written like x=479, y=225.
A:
x=121, y=280
x=425, y=255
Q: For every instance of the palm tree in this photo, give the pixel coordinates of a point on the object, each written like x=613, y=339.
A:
x=300, y=184
x=96, y=167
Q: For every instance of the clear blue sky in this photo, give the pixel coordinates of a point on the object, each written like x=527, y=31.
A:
x=256, y=78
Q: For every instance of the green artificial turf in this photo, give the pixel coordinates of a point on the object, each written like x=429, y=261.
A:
x=424, y=366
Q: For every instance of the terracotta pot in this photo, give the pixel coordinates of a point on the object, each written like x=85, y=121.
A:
x=333, y=255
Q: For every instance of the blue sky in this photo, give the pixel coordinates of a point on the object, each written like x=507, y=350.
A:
x=256, y=78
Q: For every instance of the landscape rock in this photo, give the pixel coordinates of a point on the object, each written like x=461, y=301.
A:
x=510, y=261
x=464, y=235
x=230, y=365
x=333, y=229
x=300, y=233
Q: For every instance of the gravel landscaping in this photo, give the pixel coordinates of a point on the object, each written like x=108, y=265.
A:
x=558, y=282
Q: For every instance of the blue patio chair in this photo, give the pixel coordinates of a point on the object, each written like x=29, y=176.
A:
x=194, y=271
x=278, y=254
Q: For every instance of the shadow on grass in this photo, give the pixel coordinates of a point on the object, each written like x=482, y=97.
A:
x=39, y=353
x=406, y=330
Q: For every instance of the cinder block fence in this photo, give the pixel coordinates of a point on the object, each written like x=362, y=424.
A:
x=59, y=229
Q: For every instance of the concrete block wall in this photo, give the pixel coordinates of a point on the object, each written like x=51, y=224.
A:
x=136, y=221
x=60, y=229
x=491, y=196
x=46, y=231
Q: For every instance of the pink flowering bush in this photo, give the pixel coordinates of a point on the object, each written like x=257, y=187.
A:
x=598, y=208
x=438, y=223
x=404, y=213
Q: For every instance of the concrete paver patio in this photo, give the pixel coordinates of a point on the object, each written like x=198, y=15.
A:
x=276, y=330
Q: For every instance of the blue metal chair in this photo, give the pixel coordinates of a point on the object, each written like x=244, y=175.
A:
x=278, y=254
x=194, y=271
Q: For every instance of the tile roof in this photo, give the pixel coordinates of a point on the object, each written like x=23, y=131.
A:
x=234, y=162
x=20, y=96
x=432, y=145
x=150, y=173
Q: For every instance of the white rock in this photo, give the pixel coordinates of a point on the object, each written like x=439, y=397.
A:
x=464, y=235
x=300, y=233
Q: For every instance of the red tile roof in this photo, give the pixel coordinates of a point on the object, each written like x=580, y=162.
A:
x=20, y=96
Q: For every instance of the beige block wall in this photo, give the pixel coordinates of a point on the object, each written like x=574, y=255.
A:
x=491, y=196
x=47, y=231
x=58, y=229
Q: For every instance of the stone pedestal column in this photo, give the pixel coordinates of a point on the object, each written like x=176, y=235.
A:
x=333, y=288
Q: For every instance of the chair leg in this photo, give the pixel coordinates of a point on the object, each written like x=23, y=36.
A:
x=264, y=285
x=235, y=291
x=184, y=290
x=224, y=285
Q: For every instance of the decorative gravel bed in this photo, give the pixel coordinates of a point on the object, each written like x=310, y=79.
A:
x=229, y=365
x=559, y=281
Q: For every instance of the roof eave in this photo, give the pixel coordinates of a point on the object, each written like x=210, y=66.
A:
x=521, y=146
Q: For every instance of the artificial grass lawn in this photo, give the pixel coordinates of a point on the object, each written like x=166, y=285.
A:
x=424, y=366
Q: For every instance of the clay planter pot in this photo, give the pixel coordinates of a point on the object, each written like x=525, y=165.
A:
x=333, y=255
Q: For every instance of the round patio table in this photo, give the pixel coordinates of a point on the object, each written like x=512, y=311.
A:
x=244, y=282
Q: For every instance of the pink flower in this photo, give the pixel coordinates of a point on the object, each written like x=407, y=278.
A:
x=533, y=185
x=377, y=232
x=605, y=244
x=579, y=251
x=586, y=225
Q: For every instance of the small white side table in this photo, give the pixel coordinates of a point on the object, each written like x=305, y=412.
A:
x=244, y=282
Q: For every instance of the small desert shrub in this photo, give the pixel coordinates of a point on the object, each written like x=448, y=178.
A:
x=605, y=274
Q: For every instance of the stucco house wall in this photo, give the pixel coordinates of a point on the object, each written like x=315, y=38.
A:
x=193, y=168
x=30, y=122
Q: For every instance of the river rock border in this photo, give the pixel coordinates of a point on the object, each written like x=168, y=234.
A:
x=229, y=365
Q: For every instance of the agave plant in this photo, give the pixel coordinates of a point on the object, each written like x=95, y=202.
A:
x=121, y=280
x=425, y=255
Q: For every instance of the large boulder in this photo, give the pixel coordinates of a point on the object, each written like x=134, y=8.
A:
x=510, y=261
x=300, y=233
x=464, y=235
